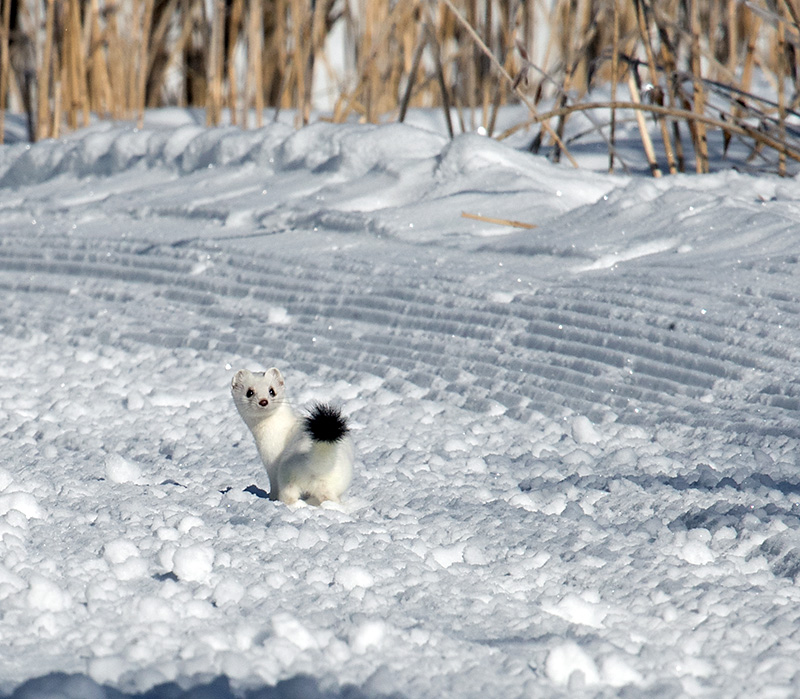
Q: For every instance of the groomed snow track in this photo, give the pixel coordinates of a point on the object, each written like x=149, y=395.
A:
x=647, y=345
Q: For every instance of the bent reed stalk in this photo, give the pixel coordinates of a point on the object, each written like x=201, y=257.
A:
x=690, y=65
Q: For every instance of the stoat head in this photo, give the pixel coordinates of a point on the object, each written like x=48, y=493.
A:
x=257, y=394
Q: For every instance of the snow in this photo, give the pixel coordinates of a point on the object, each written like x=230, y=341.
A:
x=577, y=467
x=569, y=664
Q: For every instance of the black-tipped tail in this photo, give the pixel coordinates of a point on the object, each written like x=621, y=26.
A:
x=326, y=423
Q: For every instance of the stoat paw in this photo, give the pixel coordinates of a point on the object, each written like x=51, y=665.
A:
x=290, y=495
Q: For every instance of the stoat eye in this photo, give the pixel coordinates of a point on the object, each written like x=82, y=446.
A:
x=272, y=392
x=250, y=393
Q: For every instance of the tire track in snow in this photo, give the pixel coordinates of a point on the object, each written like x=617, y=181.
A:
x=633, y=344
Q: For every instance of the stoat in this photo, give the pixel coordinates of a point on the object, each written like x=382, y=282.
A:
x=307, y=457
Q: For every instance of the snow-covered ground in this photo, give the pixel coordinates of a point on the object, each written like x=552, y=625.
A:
x=577, y=445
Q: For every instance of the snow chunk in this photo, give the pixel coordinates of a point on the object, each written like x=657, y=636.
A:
x=284, y=625
x=123, y=555
x=501, y=297
x=131, y=569
x=193, y=563
x=134, y=400
x=584, y=432
x=10, y=582
x=696, y=553
x=455, y=444
x=5, y=479
x=46, y=595
x=152, y=609
x=21, y=502
x=277, y=315
x=107, y=670
x=475, y=556
x=228, y=592
x=577, y=610
x=199, y=609
x=618, y=673
x=445, y=556
x=120, y=550
x=351, y=577
x=188, y=523
x=366, y=635
x=652, y=247
x=120, y=470
x=569, y=664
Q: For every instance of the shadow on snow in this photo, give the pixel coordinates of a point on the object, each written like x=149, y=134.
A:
x=60, y=685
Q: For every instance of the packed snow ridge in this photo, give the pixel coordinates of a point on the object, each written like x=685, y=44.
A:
x=577, y=445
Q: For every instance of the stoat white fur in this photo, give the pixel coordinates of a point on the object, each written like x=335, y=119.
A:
x=307, y=458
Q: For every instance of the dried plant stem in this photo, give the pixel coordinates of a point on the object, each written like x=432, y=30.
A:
x=363, y=97
x=673, y=91
x=498, y=221
x=794, y=13
x=473, y=34
x=651, y=62
x=43, y=72
x=141, y=98
x=300, y=23
x=647, y=143
x=114, y=59
x=781, y=94
x=733, y=36
x=566, y=22
x=442, y=83
x=701, y=142
x=214, y=98
x=58, y=101
x=101, y=98
x=614, y=78
x=739, y=128
x=422, y=40
x=254, y=88
x=5, y=65
x=70, y=69
x=120, y=80
x=177, y=54
x=127, y=72
x=316, y=50
x=237, y=9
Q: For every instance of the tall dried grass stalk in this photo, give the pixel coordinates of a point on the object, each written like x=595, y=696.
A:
x=701, y=141
x=644, y=32
x=44, y=70
x=5, y=60
x=614, y=78
x=647, y=142
x=234, y=58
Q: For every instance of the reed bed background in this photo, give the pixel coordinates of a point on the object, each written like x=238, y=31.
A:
x=682, y=68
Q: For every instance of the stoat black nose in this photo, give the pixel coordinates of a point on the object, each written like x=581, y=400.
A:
x=263, y=402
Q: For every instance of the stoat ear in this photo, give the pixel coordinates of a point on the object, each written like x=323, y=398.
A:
x=275, y=374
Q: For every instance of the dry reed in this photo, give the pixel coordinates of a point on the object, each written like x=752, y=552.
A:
x=689, y=66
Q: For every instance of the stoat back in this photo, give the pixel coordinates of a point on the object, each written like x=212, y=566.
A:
x=317, y=464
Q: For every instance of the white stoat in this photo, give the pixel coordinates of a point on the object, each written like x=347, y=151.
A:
x=307, y=458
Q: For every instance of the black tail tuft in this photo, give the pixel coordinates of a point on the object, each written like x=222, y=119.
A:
x=326, y=423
